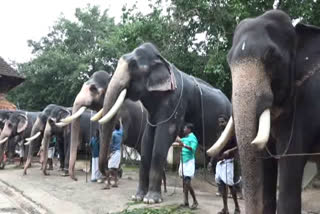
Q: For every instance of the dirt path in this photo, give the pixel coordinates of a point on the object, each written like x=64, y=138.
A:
x=56, y=194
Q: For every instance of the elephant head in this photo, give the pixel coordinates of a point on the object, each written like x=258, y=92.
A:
x=45, y=125
x=138, y=75
x=91, y=96
x=14, y=125
x=264, y=60
x=4, y=116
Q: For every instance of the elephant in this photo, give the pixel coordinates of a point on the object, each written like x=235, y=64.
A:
x=274, y=67
x=43, y=128
x=4, y=115
x=133, y=115
x=49, y=123
x=17, y=126
x=171, y=98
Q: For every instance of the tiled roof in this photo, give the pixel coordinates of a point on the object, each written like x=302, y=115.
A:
x=5, y=104
x=9, y=77
x=7, y=70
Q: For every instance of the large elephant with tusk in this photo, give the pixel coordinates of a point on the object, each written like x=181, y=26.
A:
x=16, y=128
x=171, y=98
x=42, y=130
x=132, y=114
x=275, y=77
x=49, y=123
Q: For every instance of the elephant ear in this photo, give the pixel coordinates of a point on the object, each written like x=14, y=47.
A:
x=63, y=114
x=161, y=77
x=307, y=52
x=23, y=123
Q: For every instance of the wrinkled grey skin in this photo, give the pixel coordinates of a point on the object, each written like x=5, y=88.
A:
x=17, y=127
x=4, y=115
x=150, y=78
x=275, y=66
x=47, y=119
x=45, y=123
x=132, y=114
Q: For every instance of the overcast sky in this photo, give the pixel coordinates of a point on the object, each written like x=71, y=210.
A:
x=21, y=20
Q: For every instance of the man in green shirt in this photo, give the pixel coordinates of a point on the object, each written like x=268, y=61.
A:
x=189, y=144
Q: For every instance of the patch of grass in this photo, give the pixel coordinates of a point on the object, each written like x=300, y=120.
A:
x=173, y=209
x=131, y=203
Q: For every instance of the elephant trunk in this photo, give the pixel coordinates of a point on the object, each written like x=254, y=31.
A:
x=2, y=150
x=45, y=146
x=5, y=133
x=75, y=138
x=118, y=83
x=249, y=101
x=35, y=129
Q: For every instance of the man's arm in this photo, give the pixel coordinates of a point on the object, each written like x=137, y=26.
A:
x=229, y=153
x=178, y=140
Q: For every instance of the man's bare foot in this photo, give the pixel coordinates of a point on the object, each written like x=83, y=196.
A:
x=237, y=210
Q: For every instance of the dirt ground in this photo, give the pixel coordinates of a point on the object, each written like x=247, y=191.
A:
x=35, y=193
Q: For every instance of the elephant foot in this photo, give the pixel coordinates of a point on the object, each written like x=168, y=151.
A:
x=152, y=198
x=138, y=196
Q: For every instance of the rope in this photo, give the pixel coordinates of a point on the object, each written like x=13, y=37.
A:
x=203, y=132
x=175, y=109
x=292, y=155
x=275, y=156
x=141, y=124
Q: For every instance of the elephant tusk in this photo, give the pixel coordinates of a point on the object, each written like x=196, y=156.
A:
x=27, y=143
x=4, y=140
x=33, y=137
x=74, y=116
x=97, y=116
x=226, y=135
x=264, y=130
x=114, y=108
x=61, y=124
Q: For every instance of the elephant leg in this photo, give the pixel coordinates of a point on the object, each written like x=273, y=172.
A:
x=45, y=158
x=66, y=153
x=290, y=184
x=145, y=163
x=270, y=184
x=61, y=153
x=162, y=141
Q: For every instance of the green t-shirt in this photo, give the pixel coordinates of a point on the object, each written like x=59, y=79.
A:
x=191, y=141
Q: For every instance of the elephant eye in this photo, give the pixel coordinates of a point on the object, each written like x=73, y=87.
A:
x=10, y=125
x=93, y=88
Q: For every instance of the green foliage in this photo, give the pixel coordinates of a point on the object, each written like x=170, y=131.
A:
x=73, y=50
x=65, y=58
x=173, y=209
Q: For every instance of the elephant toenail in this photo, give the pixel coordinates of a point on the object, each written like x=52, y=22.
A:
x=151, y=201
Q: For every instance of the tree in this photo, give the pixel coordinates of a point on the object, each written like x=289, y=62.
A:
x=65, y=58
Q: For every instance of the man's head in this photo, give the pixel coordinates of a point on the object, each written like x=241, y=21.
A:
x=222, y=122
x=188, y=128
x=117, y=127
x=97, y=133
